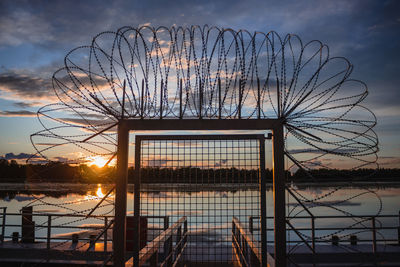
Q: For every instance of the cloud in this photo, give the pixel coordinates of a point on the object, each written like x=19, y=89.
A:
x=27, y=104
x=389, y=161
x=21, y=26
x=10, y=156
x=17, y=86
x=18, y=113
x=222, y=162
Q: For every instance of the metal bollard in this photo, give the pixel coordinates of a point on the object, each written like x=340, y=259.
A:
x=15, y=237
x=92, y=240
x=353, y=240
x=75, y=238
x=335, y=240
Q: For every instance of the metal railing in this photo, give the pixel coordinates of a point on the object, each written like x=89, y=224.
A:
x=246, y=249
x=172, y=251
x=49, y=226
x=3, y=225
x=359, y=219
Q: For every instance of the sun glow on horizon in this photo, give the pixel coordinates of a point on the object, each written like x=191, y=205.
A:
x=99, y=161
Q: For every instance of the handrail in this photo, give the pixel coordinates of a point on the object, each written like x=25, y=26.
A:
x=312, y=222
x=242, y=240
x=100, y=234
x=62, y=215
x=298, y=200
x=374, y=240
x=3, y=227
x=149, y=254
x=300, y=236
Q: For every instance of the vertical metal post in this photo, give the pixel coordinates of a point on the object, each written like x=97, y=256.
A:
x=120, y=195
x=313, y=233
x=142, y=101
x=278, y=95
x=313, y=238
x=105, y=233
x=373, y=235
x=219, y=99
x=48, y=231
x=180, y=100
x=166, y=222
x=3, y=227
x=136, y=203
x=263, y=202
x=240, y=98
x=200, y=100
x=398, y=230
x=258, y=99
x=161, y=98
x=279, y=196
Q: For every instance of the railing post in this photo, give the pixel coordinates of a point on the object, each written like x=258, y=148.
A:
x=313, y=233
x=48, y=231
x=154, y=259
x=178, y=239
x=313, y=238
x=374, y=248
x=3, y=227
x=166, y=222
x=251, y=224
x=398, y=231
x=105, y=233
x=185, y=229
x=167, y=251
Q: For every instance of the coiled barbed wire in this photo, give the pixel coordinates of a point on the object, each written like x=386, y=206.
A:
x=212, y=73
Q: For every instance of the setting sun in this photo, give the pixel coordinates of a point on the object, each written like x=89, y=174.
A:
x=98, y=161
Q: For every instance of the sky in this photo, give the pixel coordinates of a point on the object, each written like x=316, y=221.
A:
x=36, y=35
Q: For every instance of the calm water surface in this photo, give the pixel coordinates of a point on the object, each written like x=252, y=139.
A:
x=209, y=211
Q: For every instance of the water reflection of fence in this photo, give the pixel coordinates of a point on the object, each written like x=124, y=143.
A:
x=359, y=226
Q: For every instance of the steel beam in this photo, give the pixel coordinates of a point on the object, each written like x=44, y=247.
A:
x=136, y=203
x=263, y=202
x=201, y=124
x=120, y=195
x=127, y=125
x=279, y=196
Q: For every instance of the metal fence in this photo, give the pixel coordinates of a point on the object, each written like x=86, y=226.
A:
x=209, y=180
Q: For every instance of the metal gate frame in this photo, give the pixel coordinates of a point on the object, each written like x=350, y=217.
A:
x=262, y=183
x=126, y=125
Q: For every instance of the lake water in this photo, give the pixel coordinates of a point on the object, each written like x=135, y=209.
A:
x=209, y=211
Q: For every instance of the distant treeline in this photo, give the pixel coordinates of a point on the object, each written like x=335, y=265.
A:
x=55, y=172
x=338, y=175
